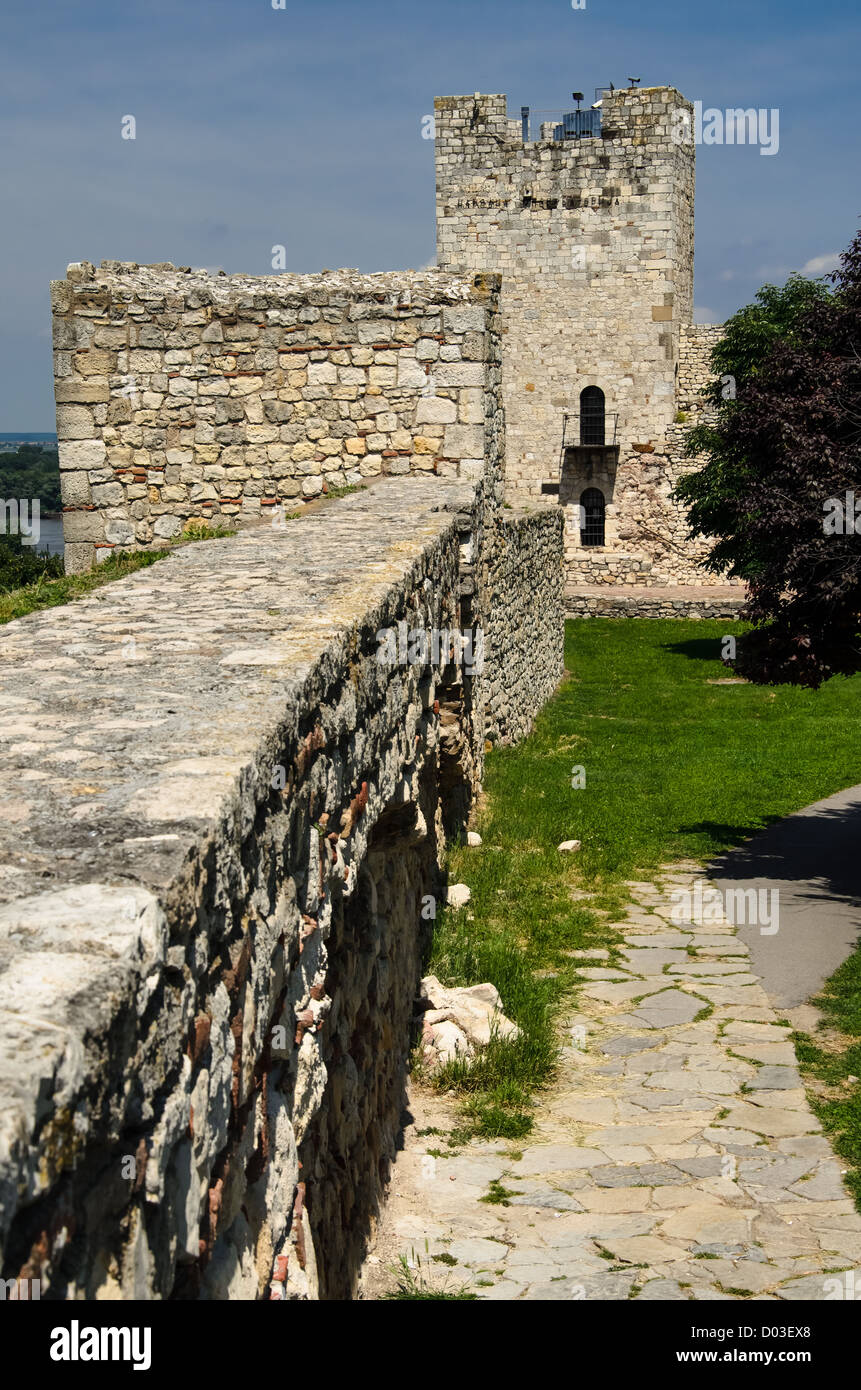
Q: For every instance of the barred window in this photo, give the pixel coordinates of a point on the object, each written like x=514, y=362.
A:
x=592, y=415
x=592, y=517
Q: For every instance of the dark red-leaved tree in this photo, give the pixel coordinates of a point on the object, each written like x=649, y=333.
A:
x=783, y=469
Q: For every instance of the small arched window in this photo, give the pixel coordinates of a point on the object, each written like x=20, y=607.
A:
x=592, y=415
x=592, y=517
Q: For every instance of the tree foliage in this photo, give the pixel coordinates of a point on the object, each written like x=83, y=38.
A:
x=782, y=454
x=21, y=564
x=31, y=472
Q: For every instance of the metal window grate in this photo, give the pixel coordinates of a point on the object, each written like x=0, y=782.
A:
x=592, y=517
x=592, y=415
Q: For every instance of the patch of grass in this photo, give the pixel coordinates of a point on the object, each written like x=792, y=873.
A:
x=827, y=1062
x=496, y=1122
x=520, y=920
x=675, y=769
x=497, y=1195
x=334, y=492
x=199, y=531
x=459, y=1136
x=412, y=1285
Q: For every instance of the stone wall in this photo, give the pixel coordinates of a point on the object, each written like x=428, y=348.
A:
x=697, y=343
x=185, y=398
x=525, y=623
x=221, y=832
x=669, y=601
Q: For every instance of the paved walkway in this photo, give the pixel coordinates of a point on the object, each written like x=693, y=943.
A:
x=676, y=1156
x=812, y=860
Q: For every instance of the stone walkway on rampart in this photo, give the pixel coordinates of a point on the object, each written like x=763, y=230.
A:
x=675, y=1157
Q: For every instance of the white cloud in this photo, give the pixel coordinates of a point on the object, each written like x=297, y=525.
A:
x=821, y=265
x=704, y=315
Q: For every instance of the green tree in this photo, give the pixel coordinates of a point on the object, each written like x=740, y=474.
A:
x=783, y=457
x=32, y=472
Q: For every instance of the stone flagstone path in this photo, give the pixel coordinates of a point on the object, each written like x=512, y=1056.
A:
x=676, y=1156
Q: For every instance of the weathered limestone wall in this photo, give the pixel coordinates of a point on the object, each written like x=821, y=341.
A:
x=185, y=398
x=525, y=622
x=667, y=601
x=698, y=340
x=221, y=822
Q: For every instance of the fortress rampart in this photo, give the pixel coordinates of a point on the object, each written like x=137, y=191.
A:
x=221, y=829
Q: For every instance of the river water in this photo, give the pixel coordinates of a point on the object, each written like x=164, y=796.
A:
x=50, y=535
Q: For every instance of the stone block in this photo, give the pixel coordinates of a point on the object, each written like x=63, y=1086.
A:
x=95, y=362
x=109, y=495
x=119, y=532
x=463, y=441
x=75, y=489
x=75, y=422
x=81, y=453
x=435, y=410
x=71, y=390
x=83, y=526
x=167, y=527
x=78, y=557
x=459, y=374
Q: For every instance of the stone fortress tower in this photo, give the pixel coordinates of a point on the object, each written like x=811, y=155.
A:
x=592, y=228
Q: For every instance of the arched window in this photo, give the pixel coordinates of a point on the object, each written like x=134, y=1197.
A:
x=592, y=415
x=592, y=517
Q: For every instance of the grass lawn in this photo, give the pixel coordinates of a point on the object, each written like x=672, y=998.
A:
x=831, y=1062
x=675, y=768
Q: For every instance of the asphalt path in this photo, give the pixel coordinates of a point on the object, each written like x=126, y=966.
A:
x=813, y=860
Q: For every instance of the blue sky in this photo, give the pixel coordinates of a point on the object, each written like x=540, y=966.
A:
x=302, y=127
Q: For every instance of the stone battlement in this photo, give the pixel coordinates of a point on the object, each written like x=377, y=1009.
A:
x=163, y=279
